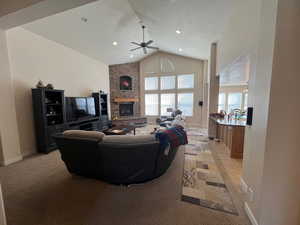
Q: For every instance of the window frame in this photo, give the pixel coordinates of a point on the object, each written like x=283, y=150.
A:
x=158, y=83
x=244, y=93
x=160, y=106
x=193, y=105
x=175, y=91
x=241, y=98
x=158, y=102
x=184, y=88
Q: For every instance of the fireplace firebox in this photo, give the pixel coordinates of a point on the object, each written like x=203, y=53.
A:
x=126, y=109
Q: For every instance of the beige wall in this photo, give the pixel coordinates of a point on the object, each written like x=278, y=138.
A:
x=205, y=110
x=251, y=33
x=271, y=153
x=214, y=81
x=35, y=58
x=240, y=36
x=163, y=63
x=280, y=198
x=8, y=125
x=1, y=149
x=259, y=97
x=213, y=88
x=269, y=167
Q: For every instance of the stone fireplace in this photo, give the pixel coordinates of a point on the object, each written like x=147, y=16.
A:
x=125, y=90
x=126, y=109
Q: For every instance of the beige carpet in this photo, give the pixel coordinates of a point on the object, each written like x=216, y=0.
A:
x=39, y=191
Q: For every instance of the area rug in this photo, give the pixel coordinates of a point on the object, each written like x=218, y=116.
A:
x=202, y=182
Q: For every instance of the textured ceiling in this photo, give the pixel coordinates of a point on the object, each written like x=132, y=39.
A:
x=201, y=22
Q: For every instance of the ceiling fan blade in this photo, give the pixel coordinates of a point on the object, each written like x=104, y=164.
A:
x=145, y=50
x=135, y=48
x=135, y=43
x=149, y=42
x=153, y=47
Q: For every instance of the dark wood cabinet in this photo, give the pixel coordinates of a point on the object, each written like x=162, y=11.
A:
x=101, y=102
x=50, y=116
x=232, y=135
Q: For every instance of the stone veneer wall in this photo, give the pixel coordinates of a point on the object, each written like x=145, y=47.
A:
x=115, y=72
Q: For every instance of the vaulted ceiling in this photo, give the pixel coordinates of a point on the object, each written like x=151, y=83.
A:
x=91, y=29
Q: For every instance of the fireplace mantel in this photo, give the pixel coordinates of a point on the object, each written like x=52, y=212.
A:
x=126, y=100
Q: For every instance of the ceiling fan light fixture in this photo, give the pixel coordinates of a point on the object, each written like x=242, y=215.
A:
x=144, y=45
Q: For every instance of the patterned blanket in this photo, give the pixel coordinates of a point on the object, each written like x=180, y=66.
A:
x=175, y=136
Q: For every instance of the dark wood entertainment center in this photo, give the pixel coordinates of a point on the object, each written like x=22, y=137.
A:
x=50, y=116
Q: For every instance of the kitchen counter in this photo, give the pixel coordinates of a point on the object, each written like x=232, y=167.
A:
x=231, y=122
x=231, y=133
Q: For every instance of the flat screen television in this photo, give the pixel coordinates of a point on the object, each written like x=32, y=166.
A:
x=80, y=108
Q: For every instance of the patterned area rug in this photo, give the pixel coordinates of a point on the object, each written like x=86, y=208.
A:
x=202, y=182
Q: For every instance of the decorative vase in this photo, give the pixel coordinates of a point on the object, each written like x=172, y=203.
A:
x=50, y=86
x=40, y=84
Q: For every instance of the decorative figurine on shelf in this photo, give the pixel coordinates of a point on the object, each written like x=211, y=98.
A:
x=51, y=110
x=40, y=84
x=50, y=86
x=115, y=118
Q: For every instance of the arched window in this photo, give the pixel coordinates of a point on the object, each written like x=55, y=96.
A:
x=125, y=83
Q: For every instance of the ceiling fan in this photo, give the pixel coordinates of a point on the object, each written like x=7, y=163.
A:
x=144, y=45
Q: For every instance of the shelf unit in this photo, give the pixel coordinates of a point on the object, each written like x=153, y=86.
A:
x=48, y=109
x=50, y=116
x=101, y=100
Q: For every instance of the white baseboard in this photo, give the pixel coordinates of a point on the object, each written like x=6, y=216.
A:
x=10, y=161
x=244, y=186
x=250, y=214
x=245, y=189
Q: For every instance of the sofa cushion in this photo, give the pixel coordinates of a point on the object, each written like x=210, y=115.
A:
x=126, y=139
x=82, y=134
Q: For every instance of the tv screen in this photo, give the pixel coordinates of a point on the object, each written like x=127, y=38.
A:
x=78, y=108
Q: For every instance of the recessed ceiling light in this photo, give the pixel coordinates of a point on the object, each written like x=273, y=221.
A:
x=131, y=56
x=180, y=49
x=115, y=43
x=178, y=31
